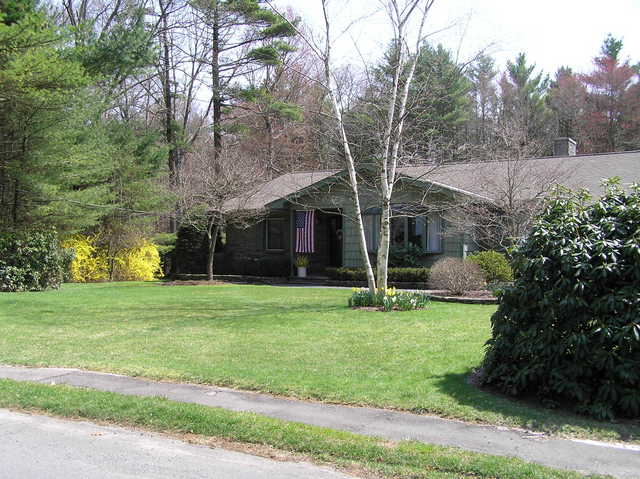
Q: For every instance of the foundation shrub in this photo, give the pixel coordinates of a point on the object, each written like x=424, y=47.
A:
x=494, y=266
x=456, y=276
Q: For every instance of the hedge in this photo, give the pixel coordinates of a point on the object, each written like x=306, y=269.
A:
x=394, y=275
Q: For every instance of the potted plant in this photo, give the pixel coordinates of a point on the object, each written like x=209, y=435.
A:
x=301, y=263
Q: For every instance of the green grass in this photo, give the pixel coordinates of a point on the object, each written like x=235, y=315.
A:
x=290, y=341
x=408, y=460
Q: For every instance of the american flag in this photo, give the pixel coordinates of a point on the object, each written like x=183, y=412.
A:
x=305, y=231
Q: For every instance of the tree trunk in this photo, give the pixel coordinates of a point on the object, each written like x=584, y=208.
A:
x=385, y=241
x=175, y=155
x=216, y=87
x=353, y=183
x=16, y=202
x=212, y=236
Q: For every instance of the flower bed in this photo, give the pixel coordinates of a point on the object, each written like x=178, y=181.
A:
x=388, y=300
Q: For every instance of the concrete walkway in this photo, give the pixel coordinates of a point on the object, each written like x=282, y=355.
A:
x=33, y=446
x=619, y=460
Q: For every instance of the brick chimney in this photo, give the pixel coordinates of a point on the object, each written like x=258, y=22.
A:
x=564, y=146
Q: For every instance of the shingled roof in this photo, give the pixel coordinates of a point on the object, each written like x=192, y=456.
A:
x=480, y=179
x=485, y=179
x=278, y=188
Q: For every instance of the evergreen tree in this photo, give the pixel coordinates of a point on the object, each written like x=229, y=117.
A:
x=12, y=11
x=243, y=36
x=42, y=95
x=611, y=47
x=440, y=99
x=61, y=162
x=522, y=97
x=135, y=192
x=485, y=97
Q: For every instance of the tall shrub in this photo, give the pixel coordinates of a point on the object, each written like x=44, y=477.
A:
x=140, y=263
x=568, y=330
x=30, y=261
x=89, y=264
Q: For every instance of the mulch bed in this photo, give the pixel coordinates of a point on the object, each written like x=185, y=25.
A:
x=471, y=297
x=380, y=308
x=469, y=294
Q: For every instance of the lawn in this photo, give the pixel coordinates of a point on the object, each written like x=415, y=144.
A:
x=289, y=341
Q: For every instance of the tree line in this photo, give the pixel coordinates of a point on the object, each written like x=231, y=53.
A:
x=126, y=118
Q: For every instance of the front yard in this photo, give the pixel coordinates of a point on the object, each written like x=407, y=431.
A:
x=301, y=342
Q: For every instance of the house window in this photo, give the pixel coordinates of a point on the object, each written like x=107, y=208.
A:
x=417, y=232
x=425, y=232
x=275, y=231
x=399, y=231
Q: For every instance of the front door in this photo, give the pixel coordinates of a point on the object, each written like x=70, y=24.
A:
x=334, y=240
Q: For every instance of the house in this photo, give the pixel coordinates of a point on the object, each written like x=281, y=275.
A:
x=268, y=247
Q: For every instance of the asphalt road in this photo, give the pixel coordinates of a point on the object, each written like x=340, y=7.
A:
x=40, y=447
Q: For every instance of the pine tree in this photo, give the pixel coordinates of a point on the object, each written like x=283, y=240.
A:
x=485, y=97
x=522, y=96
x=439, y=99
x=242, y=36
x=42, y=95
x=440, y=95
x=12, y=11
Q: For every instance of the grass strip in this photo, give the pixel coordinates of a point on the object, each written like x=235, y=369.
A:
x=410, y=460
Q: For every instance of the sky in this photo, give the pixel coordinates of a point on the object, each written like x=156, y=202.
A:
x=552, y=33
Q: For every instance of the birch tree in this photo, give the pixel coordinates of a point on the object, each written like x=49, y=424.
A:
x=403, y=15
x=337, y=110
x=407, y=19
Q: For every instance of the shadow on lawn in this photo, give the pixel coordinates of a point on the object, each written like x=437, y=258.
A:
x=529, y=414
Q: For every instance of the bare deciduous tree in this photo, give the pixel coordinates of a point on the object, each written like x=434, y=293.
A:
x=514, y=184
x=214, y=195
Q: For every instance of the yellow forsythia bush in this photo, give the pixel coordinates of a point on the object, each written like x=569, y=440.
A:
x=91, y=262
x=141, y=263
